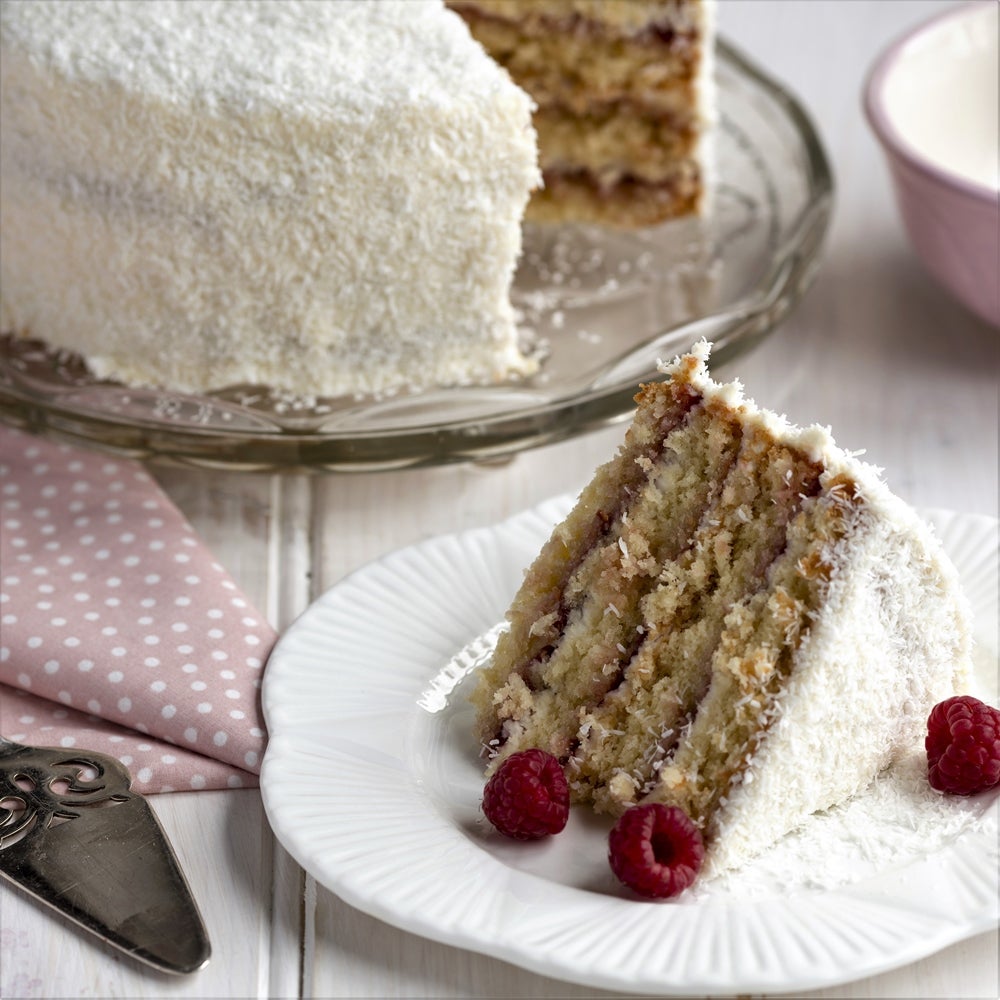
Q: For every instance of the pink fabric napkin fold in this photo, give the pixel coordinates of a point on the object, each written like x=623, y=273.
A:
x=119, y=632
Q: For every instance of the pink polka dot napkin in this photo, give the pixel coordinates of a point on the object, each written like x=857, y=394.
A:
x=119, y=632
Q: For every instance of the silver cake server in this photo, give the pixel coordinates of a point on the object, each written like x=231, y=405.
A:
x=75, y=836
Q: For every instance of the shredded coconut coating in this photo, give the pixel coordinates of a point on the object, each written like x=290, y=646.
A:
x=323, y=197
x=891, y=638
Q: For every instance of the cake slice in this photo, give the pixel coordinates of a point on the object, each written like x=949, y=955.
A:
x=624, y=96
x=325, y=198
x=737, y=618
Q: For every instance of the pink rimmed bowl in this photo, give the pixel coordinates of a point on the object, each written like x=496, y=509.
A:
x=931, y=99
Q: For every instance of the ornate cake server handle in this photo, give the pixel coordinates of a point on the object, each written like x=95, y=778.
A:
x=74, y=835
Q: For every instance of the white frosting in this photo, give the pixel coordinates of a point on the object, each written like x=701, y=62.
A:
x=708, y=111
x=896, y=821
x=324, y=197
x=890, y=641
x=892, y=638
x=815, y=440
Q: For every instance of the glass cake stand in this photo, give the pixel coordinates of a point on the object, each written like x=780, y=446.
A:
x=599, y=307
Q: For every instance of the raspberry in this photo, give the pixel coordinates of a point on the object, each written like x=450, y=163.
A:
x=655, y=850
x=963, y=746
x=527, y=798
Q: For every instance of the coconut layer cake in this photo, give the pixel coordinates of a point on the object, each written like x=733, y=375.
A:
x=321, y=197
x=737, y=618
x=624, y=95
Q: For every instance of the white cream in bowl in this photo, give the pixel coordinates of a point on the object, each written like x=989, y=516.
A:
x=942, y=95
x=932, y=101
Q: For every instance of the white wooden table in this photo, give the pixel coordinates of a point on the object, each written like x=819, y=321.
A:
x=875, y=350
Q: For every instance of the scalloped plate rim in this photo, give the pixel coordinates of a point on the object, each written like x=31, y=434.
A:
x=289, y=745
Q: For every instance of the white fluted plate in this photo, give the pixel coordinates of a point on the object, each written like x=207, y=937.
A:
x=372, y=781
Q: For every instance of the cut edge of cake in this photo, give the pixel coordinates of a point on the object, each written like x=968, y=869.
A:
x=625, y=102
